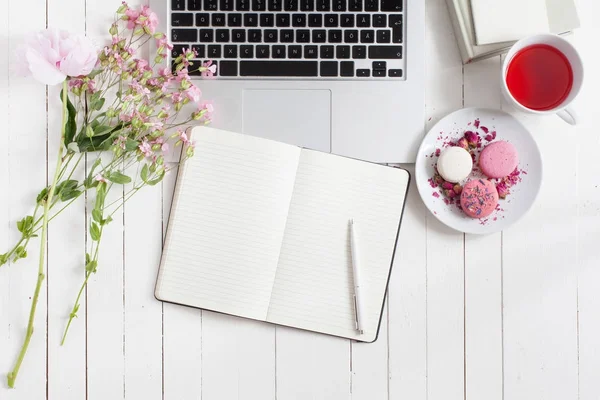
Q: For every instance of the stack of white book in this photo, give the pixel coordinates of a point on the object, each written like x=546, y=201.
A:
x=486, y=28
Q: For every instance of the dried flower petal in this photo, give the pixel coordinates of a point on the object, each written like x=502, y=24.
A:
x=503, y=189
x=472, y=138
x=457, y=189
x=447, y=185
x=463, y=143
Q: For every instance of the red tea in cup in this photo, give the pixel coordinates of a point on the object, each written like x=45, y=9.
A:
x=539, y=77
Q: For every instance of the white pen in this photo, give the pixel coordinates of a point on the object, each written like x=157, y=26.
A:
x=358, y=304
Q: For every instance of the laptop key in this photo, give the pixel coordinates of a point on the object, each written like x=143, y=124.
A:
x=279, y=68
x=310, y=52
x=177, y=50
x=228, y=68
x=282, y=20
x=383, y=36
x=250, y=20
x=254, y=35
x=299, y=20
x=395, y=22
x=379, y=21
x=182, y=19
x=259, y=5
x=378, y=73
x=234, y=20
x=331, y=20
x=226, y=5
x=202, y=19
x=379, y=65
x=275, y=5
x=278, y=51
x=323, y=5
x=295, y=52
x=391, y=5
x=193, y=69
x=347, y=68
x=351, y=36
x=214, y=51
x=211, y=5
x=230, y=51
x=242, y=5
x=222, y=36
x=318, y=36
x=290, y=5
x=363, y=20
x=395, y=73
x=184, y=35
x=262, y=51
x=270, y=35
x=342, y=51
x=335, y=36
x=326, y=51
x=371, y=5
x=355, y=5
x=177, y=5
x=363, y=72
x=199, y=49
x=315, y=20
x=347, y=21
x=267, y=20
x=329, y=68
x=307, y=5
x=385, y=52
x=207, y=35
x=338, y=5
x=367, y=36
x=359, y=51
x=218, y=20
x=238, y=36
x=194, y=5
x=286, y=36
x=247, y=51
x=302, y=36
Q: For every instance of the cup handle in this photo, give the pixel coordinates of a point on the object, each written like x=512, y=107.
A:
x=568, y=115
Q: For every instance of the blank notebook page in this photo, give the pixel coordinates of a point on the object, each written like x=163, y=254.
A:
x=226, y=229
x=313, y=287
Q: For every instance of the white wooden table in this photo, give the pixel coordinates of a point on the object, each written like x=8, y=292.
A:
x=514, y=315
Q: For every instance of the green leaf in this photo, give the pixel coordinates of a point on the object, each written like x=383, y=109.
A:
x=100, y=196
x=96, y=143
x=89, y=131
x=70, y=195
x=20, y=252
x=102, y=129
x=87, y=258
x=107, y=220
x=131, y=144
x=3, y=259
x=24, y=226
x=94, y=73
x=159, y=177
x=91, y=266
x=97, y=215
x=118, y=177
x=97, y=104
x=95, y=232
x=71, y=124
x=42, y=196
x=144, y=173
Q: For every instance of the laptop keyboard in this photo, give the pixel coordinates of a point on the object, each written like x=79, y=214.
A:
x=316, y=39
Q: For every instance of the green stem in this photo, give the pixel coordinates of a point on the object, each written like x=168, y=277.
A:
x=12, y=376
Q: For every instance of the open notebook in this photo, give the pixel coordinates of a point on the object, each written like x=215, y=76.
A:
x=259, y=229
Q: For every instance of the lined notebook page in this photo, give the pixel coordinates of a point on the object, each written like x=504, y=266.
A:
x=314, y=287
x=226, y=228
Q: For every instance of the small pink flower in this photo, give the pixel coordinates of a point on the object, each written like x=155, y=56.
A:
x=100, y=178
x=151, y=21
x=177, y=97
x=193, y=93
x=449, y=193
x=120, y=142
x=131, y=17
x=463, y=143
x=472, y=138
x=52, y=55
x=146, y=149
x=163, y=42
x=211, y=69
x=447, y=185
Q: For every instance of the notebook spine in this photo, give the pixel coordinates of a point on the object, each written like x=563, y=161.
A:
x=461, y=33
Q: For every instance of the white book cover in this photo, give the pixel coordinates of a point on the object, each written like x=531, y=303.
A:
x=508, y=20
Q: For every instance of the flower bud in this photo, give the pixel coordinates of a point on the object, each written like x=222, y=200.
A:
x=158, y=59
x=147, y=75
x=113, y=30
x=160, y=160
x=178, y=106
x=457, y=189
x=447, y=185
x=472, y=138
x=122, y=9
x=156, y=147
x=138, y=32
x=463, y=143
x=189, y=151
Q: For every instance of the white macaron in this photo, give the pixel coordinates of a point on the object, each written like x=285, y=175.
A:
x=454, y=164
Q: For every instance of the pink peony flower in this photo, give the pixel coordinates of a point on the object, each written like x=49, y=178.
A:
x=52, y=55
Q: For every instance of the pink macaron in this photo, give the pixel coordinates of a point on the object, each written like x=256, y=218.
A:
x=498, y=159
x=479, y=198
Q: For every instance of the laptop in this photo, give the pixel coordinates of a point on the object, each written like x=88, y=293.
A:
x=342, y=76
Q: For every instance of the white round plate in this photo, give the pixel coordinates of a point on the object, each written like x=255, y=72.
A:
x=522, y=195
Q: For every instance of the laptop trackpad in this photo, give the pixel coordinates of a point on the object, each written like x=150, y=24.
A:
x=298, y=117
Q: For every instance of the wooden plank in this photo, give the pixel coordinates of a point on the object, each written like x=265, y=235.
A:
x=143, y=313
x=238, y=358
x=483, y=266
x=539, y=277
x=445, y=247
x=182, y=336
x=105, y=305
x=588, y=204
x=25, y=176
x=66, y=246
x=407, y=304
x=370, y=365
x=312, y=366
